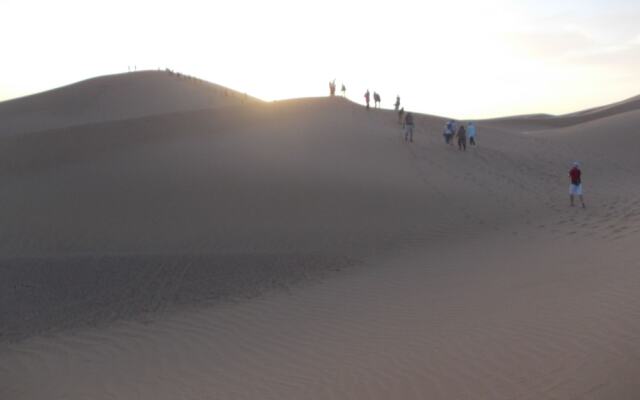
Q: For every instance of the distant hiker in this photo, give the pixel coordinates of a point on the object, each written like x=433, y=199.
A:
x=408, y=127
x=454, y=130
x=367, y=98
x=575, y=189
x=462, y=138
x=376, y=100
x=332, y=88
x=344, y=90
x=448, y=132
x=400, y=115
x=471, y=132
x=397, y=103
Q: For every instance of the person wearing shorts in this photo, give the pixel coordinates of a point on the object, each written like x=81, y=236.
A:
x=575, y=188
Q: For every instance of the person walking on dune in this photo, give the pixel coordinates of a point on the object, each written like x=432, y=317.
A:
x=471, y=133
x=575, y=189
x=367, y=98
x=397, y=103
x=344, y=90
x=408, y=127
x=332, y=88
x=448, y=132
x=376, y=100
x=462, y=138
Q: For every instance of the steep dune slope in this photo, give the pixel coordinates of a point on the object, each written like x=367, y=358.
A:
x=215, y=178
x=238, y=188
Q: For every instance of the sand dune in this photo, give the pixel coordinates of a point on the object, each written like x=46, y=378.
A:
x=300, y=249
x=115, y=97
x=545, y=121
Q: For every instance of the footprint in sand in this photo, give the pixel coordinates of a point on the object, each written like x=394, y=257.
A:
x=620, y=229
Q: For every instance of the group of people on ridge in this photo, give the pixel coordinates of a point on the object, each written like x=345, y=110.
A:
x=463, y=133
x=332, y=89
x=376, y=99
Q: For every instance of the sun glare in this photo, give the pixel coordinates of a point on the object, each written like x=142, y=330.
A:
x=461, y=58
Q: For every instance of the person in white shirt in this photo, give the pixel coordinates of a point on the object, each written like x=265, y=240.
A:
x=471, y=133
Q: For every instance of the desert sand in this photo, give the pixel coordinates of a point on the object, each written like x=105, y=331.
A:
x=172, y=239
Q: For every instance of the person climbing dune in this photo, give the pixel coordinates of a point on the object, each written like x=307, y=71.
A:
x=575, y=189
x=471, y=133
x=462, y=138
x=408, y=127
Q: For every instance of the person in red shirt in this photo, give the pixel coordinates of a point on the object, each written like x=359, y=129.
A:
x=575, y=189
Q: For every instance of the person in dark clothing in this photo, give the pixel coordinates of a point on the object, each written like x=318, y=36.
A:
x=462, y=138
x=575, y=189
x=367, y=98
x=397, y=103
x=408, y=128
x=376, y=100
x=344, y=90
x=332, y=88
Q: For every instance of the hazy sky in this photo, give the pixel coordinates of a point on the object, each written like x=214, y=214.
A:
x=461, y=58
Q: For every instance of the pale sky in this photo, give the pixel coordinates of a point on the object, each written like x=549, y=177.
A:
x=458, y=58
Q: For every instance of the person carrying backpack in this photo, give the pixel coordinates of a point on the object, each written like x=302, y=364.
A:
x=408, y=127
